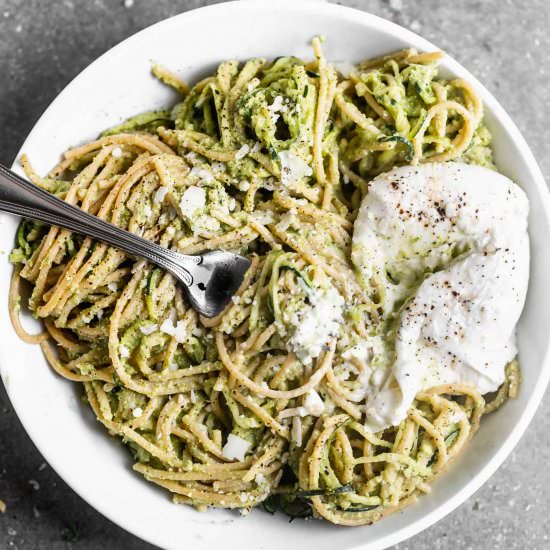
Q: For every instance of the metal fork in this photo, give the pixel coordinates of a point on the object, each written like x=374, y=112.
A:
x=210, y=279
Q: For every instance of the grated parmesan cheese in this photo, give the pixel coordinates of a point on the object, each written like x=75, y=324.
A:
x=148, y=329
x=160, y=194
x=202, y=174
x=235, y=448
x=277, y=105
x=293, y=168
x=244, y=185
x=178, y=331
x=193, y=199
x=313, y=404
x=168, y=327
x=316, y=323
x=242, y=152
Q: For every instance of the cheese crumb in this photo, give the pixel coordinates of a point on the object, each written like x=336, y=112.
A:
x=193, y=199
x=124, y=351
x=316, y=323
x=287, y=219
x=242, y=152
x=137, y=412
x=179, y=330
x=293, y=168
x=160, y=194
x=313, y=404
x=116, y=152
x=202, y=173
x=148, y=329
x=235, y=448
x=277, y=105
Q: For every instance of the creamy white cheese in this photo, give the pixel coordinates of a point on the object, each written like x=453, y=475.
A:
x=315, y=323
x=450, y=241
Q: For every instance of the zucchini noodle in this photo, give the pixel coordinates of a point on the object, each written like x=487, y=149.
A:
x=270, y=159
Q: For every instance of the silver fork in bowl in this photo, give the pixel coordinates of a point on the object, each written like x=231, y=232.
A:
x=210, y=279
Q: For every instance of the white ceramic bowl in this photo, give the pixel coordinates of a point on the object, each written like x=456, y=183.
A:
x=119, y=85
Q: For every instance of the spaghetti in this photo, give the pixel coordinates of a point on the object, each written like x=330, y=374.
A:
x=272, y=160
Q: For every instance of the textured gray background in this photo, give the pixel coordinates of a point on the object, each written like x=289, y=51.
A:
x=44, y=44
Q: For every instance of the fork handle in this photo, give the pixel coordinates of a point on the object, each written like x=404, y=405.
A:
x=19, y=196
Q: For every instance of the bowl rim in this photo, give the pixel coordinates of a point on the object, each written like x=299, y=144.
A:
x=367, y=19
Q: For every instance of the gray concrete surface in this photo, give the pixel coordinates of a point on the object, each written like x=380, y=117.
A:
x=44, y=43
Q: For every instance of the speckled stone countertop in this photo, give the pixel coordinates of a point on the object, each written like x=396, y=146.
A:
x=44, y=44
